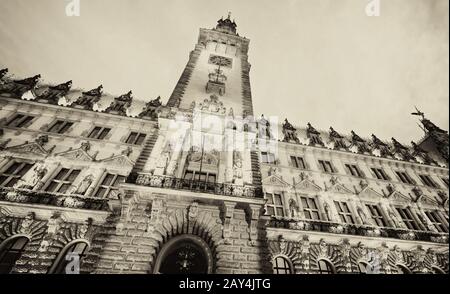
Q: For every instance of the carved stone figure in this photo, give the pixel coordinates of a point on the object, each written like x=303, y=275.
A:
x=337, y=139
x=289, y=132
x=212, y=105
x=19, y=87
x=263, y=128
x=86, y=146
x=398, y=148
x=85, y=184
x=121, y=103
x=237, y=165
x=313, y=135
x=381, y=146
x=88, y=98
x=193, y=211
x=53, y=93
x=42, y=140
x=359, y=143
x=293, y=208
x=3, y=73
x=327, y=209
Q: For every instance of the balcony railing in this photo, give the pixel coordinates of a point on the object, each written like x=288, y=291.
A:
x=358, y=230
x=52, y=199
x=250, y=191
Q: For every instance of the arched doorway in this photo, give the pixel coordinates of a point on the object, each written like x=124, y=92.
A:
x=185, y=254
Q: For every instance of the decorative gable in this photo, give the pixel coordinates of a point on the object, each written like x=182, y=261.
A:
x=274, y=180
x=33, y=147
x=77, y=154
x=370, y=193
x=307, y=185
x=427, y=200
x=399, y=197
x=339, y=188
x=118, y=160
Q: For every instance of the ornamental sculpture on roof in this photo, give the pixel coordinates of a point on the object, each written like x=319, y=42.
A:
x=53, y=93
x=88, y=98
x=121, y=104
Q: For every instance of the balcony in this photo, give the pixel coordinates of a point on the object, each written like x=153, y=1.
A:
x=358, y=230
x=52, y=199
x=249, y=191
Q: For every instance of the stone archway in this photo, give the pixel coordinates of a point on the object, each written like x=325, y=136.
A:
x=184, y=254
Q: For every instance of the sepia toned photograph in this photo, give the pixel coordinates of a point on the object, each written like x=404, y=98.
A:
x=196, y=137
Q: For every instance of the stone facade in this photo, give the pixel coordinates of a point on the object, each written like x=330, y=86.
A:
x=200, y=185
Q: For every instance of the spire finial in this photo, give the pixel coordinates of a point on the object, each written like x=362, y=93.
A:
x=229, y=14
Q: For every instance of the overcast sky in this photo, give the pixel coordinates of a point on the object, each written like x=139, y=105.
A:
x=322, y=61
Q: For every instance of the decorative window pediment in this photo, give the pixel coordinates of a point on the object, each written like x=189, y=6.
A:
x=32, y=147
x=274, y=180
x=307, y=185
x=339, y=188
x=76, y=154
x=370, y=193
x=399, y=197
x=120, y=160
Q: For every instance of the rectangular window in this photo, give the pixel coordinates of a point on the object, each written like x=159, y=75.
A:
x=267, y=157
x=109, y=186
x=376, y=215
x=446, y=182
x=434, y=218
x=60, y=127
x=298, y=162
x=354, y=170
x=326, y=166
x=136, y=138
x=344, y=212
x=14, y=173
x=380, y=174
x=19, y=120
x=405, y=178
x=310, y=208
x=274, y=204
x=407, y=218
x=199, y=180
x=427, y=181
x=63, y=180
x=99, y=133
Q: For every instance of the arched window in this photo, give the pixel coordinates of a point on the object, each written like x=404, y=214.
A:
x=401, y=269
x=437, y=270
x=10, y=252
x=68, y=255
x=363, y=266
x=281, y=266
x=325, y=267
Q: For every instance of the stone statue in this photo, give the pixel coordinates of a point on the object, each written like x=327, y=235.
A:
x=151, y=108
x=19, y=87
x=38, y=173
x=289, y=132
x=53, y=93
x=362, y=215
x=380, y=145
x=3, y=73
x=359, y=143
x=313, y=135
x=293, y=208
x=121, y=103
x=85, y=184
x=327, y=209
x=337, y=138
x=86, y=146
x=42, y=140
x=237, y=165
x=402, y=150
x=88, y=98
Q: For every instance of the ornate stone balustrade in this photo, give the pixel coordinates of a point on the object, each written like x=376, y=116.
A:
x=52, y=199
x=358, y=230
x=199, y=186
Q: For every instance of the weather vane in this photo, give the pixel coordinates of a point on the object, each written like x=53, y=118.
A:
x=418, y=112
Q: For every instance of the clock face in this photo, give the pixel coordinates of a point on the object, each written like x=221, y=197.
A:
x=220, y=60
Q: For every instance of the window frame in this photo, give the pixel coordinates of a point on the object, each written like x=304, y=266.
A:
x=295, y=160
x=6, y=247
x=23, y=122
x=410, y=218
x=135, y=141
x=273, y=204
x=287, y=265
x=61, y=262
x=330, y=269
x=63, y=129
x=379, y=214
x=436, y=220
x=63, y=181
x=12, y=176
x=99, y=133
x=344, y=215
x=268, y=156
x=325, y=164
x=405, y=178
x=380, y=173
x=428, y=181
x=354, y=170
x=109, y=189
x=308, y=212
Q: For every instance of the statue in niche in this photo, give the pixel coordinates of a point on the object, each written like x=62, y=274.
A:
x=85, y=184
x=237, y=165
x=394, y=218
x=163, y=161
x=263, y=128
x=359, y=143
x=418, y=151
x=337, y=139
x=53, y=93
x=121, y=103
x=380, y=145
x=85, y=146
x=38, y=173
x=289, y=132
x=402, y=150
x=88, y=98
x=293, y=208
x=313, y=135
x=362, y=215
